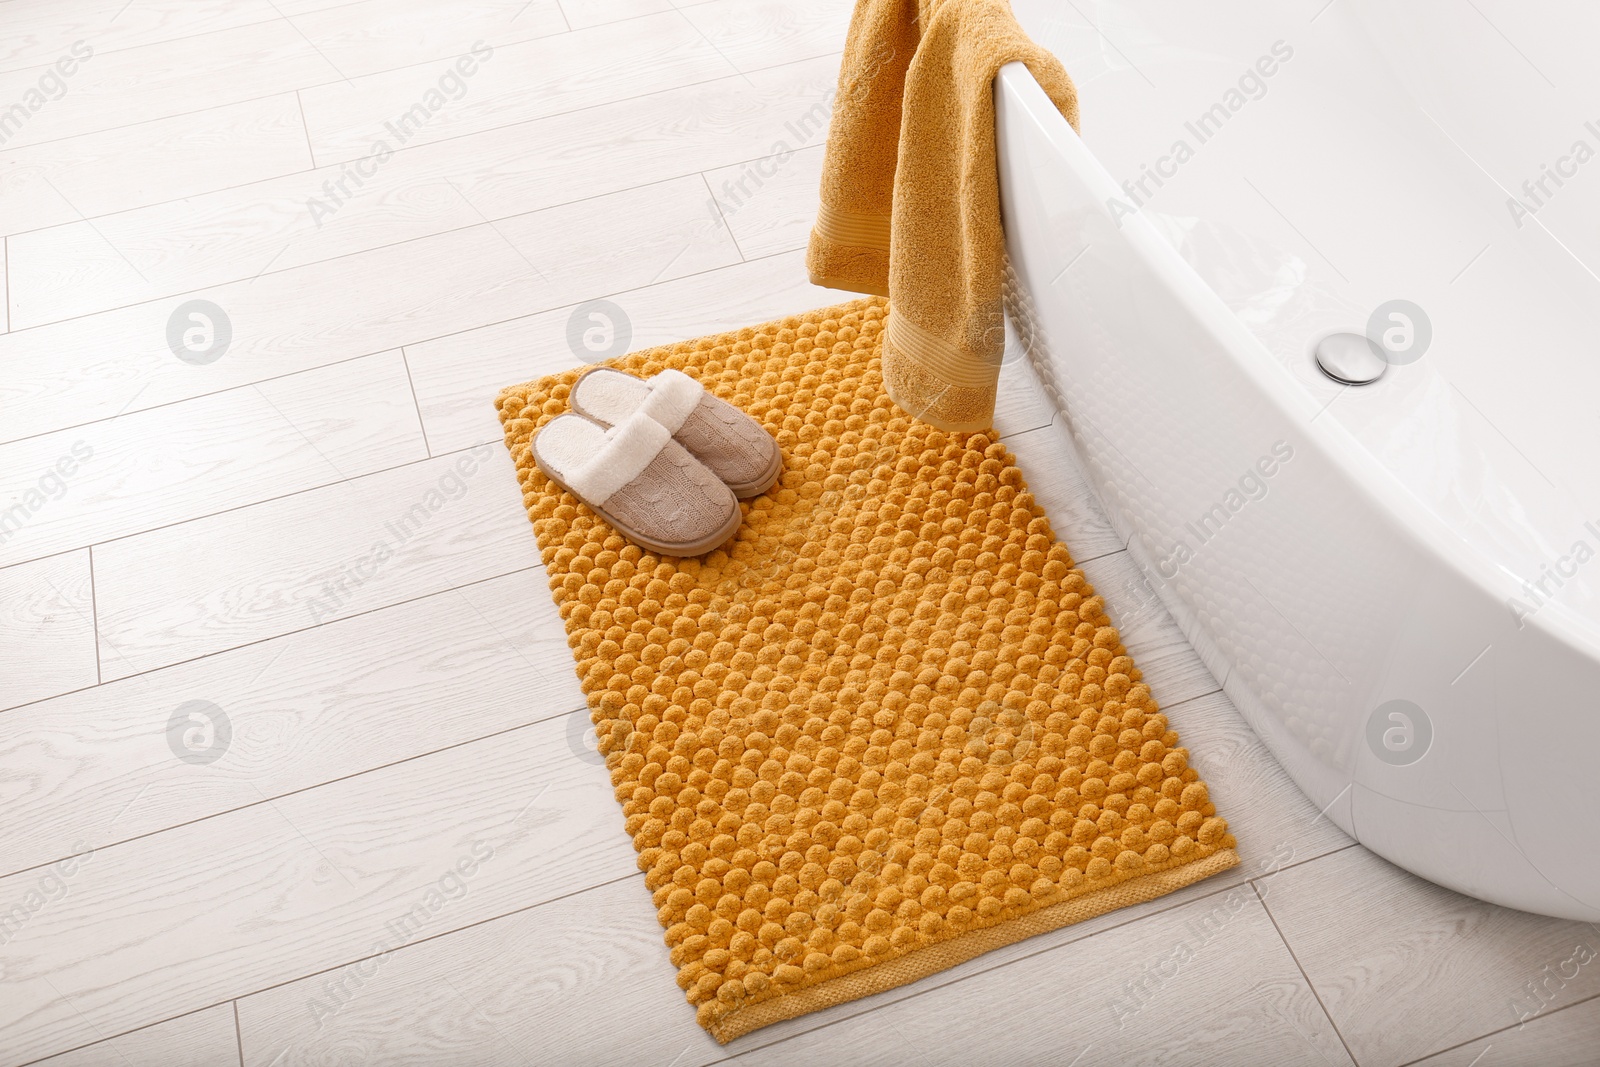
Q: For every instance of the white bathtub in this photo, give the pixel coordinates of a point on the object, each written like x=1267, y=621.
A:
x=1431, y=538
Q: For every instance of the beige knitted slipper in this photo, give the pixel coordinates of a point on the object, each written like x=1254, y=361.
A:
x=736, y=447
x=638, y=479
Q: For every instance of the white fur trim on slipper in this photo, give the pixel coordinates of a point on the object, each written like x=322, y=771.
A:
x=629, y=448
x=673, y=397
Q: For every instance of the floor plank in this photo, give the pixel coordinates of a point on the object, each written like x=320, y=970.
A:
x=458, y=376
x=139, y=471
x=633, y=236
x=252, y=573
x=751, y=34
x=770, y=203
x=1233, y=995
x=512, y=83
x=46, y=625
x=203, y=1039
x=99, y=767
x=582, y=13
x=380, y=35
x=98, y=367
x=171, y=78
x=540, y=986
x=37, y=34
x=303, y=217
x=724, y=120
x=307, y=882
x=1565, y=1038
x=1406, y=968
x=156, y=162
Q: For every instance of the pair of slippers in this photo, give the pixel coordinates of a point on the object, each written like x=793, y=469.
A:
x=661, y=460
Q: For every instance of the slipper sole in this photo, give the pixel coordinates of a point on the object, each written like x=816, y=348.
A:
x=768, y=479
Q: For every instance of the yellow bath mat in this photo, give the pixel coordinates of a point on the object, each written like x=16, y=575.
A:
x=889, y=727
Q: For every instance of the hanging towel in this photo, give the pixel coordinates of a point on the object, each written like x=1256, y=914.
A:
x=911, y=193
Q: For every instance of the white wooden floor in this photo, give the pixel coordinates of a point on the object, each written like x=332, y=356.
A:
x=375, y=834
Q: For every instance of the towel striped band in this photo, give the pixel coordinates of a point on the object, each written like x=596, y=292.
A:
x=848, y=228
x=938, y=356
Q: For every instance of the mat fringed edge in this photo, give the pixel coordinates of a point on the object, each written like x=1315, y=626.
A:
x=889, y=726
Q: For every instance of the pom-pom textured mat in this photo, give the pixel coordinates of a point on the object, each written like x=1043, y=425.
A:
x=889, y=726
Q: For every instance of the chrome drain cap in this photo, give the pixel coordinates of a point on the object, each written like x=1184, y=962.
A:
x=1350, y=359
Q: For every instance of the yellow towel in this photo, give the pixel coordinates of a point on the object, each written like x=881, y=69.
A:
x=911, y=193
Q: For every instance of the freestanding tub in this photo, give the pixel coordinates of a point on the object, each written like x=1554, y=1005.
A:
x=1397, y=583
